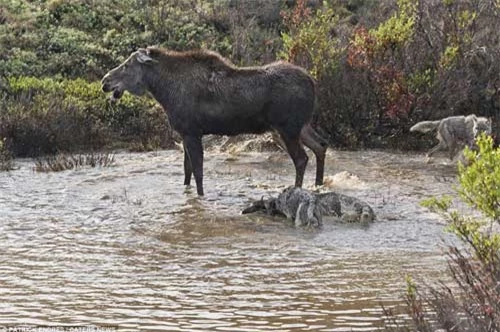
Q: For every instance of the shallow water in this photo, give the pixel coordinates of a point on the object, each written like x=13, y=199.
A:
x=129, y=246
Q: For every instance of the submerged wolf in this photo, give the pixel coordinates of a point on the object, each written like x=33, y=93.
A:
x=307, y=208
x=454, y=132
x=203, y=93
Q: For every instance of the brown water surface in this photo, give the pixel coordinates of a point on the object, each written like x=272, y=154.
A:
x=129, y=246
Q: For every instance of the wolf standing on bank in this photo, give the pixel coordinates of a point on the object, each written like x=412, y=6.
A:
x=455, y=132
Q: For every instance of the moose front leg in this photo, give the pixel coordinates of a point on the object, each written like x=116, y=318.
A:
x=194, y=150
x=188, y=170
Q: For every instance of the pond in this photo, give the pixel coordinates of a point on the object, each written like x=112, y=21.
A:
x=128, y=246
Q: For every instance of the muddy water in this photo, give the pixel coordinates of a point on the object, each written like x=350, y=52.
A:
x=128, y=246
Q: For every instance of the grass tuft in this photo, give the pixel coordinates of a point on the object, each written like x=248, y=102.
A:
x=62, y=162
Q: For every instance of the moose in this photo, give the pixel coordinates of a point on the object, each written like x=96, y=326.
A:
x=204, y=93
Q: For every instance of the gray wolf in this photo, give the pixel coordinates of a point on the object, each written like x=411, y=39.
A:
x=307, y=208
x=454, y=132
x=203, y=93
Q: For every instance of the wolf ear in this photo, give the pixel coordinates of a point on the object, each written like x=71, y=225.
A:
x=143, y=56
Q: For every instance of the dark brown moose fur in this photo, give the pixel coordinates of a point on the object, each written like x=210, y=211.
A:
x=203, y=93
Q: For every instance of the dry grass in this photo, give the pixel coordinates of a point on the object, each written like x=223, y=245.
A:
x=62, y=162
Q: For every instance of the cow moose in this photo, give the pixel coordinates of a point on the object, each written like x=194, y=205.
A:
x=204, y=93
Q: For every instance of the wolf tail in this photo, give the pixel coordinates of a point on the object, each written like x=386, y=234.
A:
x=425, y=126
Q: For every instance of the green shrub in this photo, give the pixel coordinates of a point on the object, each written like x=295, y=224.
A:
x=376, y=62
x=399, y=28
x=86, y=38
x=473, y=304
x=309, y=41
x=480, y=181
x=42, y=116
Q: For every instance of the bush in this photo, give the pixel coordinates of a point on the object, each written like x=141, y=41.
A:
x=85, y=39
x=381, y=65
x=472, y=305
x=480, y=181
x=41, y=116
x=309, y=42
x=392, y=70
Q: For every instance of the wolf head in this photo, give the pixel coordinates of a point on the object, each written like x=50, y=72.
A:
x=266, y=205
x=481, y=125
x=367, y=216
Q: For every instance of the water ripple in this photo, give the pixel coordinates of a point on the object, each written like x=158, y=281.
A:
x=128, y=246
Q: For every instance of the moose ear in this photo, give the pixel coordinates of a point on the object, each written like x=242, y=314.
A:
x=143, y=56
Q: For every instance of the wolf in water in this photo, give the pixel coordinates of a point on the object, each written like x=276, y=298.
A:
x=454, y=132
x=307, y=208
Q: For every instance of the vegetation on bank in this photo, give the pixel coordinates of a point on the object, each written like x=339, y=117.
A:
x=381, y=66
x=471, y=304
x=45, y=116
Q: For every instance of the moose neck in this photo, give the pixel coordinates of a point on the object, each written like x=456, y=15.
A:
x=160, y=86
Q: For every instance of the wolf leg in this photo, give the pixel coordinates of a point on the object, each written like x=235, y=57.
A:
x=298, y=218
x=447, y=135
x=440, y=146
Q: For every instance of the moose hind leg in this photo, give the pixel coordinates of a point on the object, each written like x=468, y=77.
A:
x=298, y=155
x=195, y=153
x=315, y=142
x=188, y=170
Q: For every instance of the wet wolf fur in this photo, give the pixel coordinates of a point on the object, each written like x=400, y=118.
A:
x=307, y=208
x=203, y=93
x=455, y=132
